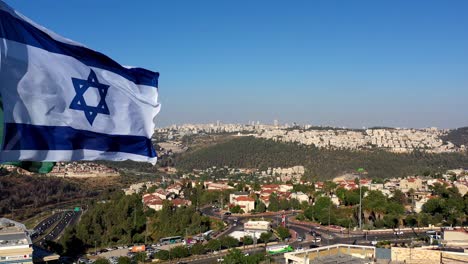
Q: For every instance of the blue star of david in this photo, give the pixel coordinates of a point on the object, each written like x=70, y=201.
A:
x=79, y=103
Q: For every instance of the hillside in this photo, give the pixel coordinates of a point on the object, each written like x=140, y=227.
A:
x=23, y=196
x=458, y=136
x=249, y=152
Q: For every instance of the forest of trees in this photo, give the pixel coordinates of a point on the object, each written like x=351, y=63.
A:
x=123, y=220
x=249, y=152
x=26, y=195
x=380, y=211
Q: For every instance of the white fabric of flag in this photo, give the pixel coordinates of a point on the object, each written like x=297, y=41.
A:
x=63, y=101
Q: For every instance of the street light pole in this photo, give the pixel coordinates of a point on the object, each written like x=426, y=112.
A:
x=360, y=170
x=360, y=203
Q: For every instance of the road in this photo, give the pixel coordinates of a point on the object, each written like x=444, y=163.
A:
x=53, y=227
x=45, y=224
x=306, y=231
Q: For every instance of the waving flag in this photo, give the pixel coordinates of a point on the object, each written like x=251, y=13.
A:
x=63, y=101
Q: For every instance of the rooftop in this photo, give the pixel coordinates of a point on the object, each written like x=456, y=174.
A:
x=13, y=234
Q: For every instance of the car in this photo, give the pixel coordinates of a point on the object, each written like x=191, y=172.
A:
x=247, y=254
x=220, y=260
x=300, y=239
x=398, y=233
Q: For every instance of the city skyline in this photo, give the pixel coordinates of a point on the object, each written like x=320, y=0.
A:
x=359, y=64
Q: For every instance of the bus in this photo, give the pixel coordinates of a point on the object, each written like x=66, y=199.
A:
x=276, y=249
x=170, y=240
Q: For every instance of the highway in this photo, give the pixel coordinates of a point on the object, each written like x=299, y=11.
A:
x=53, y=227
x=45, y=224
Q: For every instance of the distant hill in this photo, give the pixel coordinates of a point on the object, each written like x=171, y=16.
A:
x=250, y=152
x=458, y=136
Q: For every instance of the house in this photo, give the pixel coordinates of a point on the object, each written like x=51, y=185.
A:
x=181, y=202
x=218, y=186
x=156, y=203
x=271, y=187
x=234, y=196
x=245, y=203
x=411, y=183
x=161, y=194
x=174, y=188
x=462, y=187
x=285, y=187
x=153, y=201
x=318, y=186
x=335, y=200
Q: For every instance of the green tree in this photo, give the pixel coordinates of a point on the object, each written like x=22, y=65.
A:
x=265, y=237
x=260, y=207
x=234, y=256
x=282, y=232
x=328, y=186
x=213, y=245
x=229, y=242
x=274, y=203
x=235, y=209
x=102, y=261
x=179, y=252
x=411, y=220
x=323, y=209
x=124, y=260
x=433, y=206
x=309, y=213
x=399, y=197
x=294, y=204
x=198, y=249
x=284, y=204
x=140, y=256
x=247, y=240
x=341, y=194
x=162, y=255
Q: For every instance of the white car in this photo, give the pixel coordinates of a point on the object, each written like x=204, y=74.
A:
x=220, y=260
x=398, y=233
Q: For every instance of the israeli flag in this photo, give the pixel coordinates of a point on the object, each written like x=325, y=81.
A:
x=63, y=101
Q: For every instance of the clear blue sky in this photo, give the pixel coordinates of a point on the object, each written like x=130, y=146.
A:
x=343, y=63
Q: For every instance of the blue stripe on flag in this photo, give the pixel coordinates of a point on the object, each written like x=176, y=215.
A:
x=18, y=30
x=32, y=137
